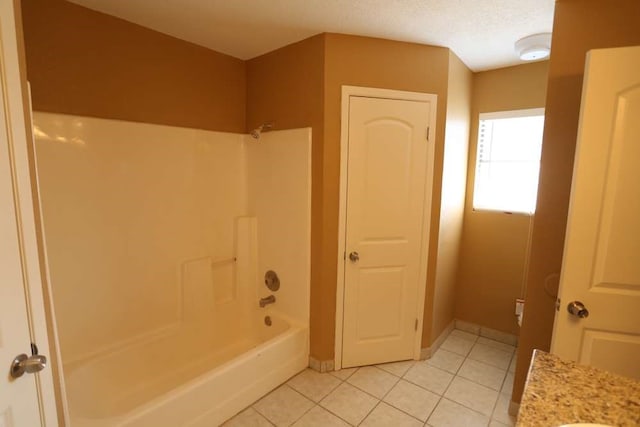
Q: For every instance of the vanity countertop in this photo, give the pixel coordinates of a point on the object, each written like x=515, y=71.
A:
x=561, y=392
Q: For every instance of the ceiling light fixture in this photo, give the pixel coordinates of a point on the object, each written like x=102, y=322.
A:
x=534, y=47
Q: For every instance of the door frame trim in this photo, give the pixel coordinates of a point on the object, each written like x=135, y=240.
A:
x=17, y=110
x=368, y=92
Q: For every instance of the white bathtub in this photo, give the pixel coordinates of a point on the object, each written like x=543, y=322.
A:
x=186, y=378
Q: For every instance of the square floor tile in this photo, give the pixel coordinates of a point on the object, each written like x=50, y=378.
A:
x=384, y=416
x=472, y=395
x=344, y=373
x=397, y=368
x=429, y=377
x=319, y=417
x=451, y=414
x=283, y=406
x=483, y=374
x=446, y=360
x=463, y=334
x=491, y=356
x=495, y=423
x=248, y=418
x=349, y=403
x=507, y=385
x=374, y=381
x=457, y=345
x=501, y=411
x=313, y=385
x=412, y=399
x=496, y=344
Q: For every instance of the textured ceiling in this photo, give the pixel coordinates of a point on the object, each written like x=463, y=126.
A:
x=481, y=32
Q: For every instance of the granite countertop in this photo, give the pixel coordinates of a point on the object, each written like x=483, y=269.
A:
x=561, y=392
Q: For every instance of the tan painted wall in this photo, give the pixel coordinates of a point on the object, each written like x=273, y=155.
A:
x=493, y=253
x=286, y=86
x=87, y=63
x=454, y=176
x=579, y=25
x=363, y=61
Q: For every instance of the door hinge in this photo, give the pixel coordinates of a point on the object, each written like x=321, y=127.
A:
x=416, y=325
x=428, y=131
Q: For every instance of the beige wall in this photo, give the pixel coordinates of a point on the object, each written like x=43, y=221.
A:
x=494, y=244
x=454, y=175
x=87, y=63
x=286, y=86
x=579, y=25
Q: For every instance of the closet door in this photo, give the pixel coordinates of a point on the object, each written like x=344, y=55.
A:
x=385, y=217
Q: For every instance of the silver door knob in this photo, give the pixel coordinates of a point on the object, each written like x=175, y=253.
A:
x=28, y=364
x=577, y=308
x=354, y=256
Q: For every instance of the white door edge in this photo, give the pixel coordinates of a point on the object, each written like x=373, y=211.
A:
x=347, y=92
x=62, y=404
x=19, y=158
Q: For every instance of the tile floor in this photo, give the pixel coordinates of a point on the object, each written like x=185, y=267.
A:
x=466, y=383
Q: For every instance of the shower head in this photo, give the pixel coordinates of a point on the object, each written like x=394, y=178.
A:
x=262, y=128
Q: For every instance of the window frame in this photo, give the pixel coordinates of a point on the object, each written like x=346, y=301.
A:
x=493, y=115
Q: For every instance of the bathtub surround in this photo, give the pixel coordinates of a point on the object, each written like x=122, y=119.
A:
x=158, y=239
x=128, y=209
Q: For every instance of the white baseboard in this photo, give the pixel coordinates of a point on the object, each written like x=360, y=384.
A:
x=482, y=331
x=427, y=352
x=321, y=365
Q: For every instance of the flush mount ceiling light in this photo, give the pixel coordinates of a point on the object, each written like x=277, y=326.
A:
x=534, y=47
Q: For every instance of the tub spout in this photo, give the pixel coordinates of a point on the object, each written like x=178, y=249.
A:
x=268, y=300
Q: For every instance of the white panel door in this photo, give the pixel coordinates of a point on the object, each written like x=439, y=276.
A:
x=386, y=182
x=601, y=265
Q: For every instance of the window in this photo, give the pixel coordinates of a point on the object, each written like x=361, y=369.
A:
x=508, y=160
